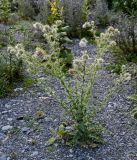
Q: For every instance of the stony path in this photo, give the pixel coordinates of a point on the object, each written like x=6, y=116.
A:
x=24, y=137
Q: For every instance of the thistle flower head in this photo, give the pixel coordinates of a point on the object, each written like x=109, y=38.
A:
x=85, y=55
x=86, y=25
x=38, y=53
x=112, y=43
x=127, y=77
x=76, y=62
x=19, y=46
x=111, y=29
x=58, y=23
x=37, y=25
x=102, y=35
x=10, y=49
x=72, y=71
x=100, y=60
x=46, y=28
x=123, y=67
x=117, y=32
x=83, y=43
x=92, y=23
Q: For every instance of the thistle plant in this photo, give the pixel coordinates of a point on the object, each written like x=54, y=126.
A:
x=77, y=92
x=10, y=68
x=75, y=96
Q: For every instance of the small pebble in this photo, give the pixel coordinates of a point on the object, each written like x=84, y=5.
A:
x=35, y=153
x=8, y=127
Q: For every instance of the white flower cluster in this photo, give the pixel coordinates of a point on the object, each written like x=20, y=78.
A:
x=127, y=76
x=37, y=26
x=83, y=43
x=108, y=38
x=85, y=55
x=47, y=28
x=18, y=50
x=113, y=30
x=39, y=53
x=58, y=23
x=100, y=60
x=79, y=62
x=88, y=24
x=113, y=43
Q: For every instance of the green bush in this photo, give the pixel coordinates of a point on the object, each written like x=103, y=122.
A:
x=26, y=9
x=125, y=20
x=126, y=6
x=127, y=39
x=10, y=71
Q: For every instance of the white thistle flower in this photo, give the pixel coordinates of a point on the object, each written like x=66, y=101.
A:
x=113, y=43
x=46, y=28
x=37, y=25
x=86, y=25
x=127, y=77
x=92, y=23
x=59, y=23
x=19, y=46
x=102, y=35
x=111, y=29
x=123, y=67
x=100, y=60
x=83, y=43
x=77, y=63
x=117, y=32
x=85, y=55
x=10, y=49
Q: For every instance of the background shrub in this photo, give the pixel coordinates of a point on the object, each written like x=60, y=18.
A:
x=127, y=40
x=10, y=71
x=26, y=9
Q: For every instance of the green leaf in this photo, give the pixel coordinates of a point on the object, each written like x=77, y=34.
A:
x=133, y=98
x=51, y=141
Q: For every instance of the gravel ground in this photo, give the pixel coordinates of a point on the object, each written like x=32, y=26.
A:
x=23, y=137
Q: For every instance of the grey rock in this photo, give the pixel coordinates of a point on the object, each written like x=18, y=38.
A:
x=4, y=112
x=2, y=136
x=71, y=155
x=71, y=151
x=69, y=128
x=35, y=153
x=9, y=119
x=3, y=157
x=8, y=127
x=7, y=106
x=18, y=89
x=26, y=130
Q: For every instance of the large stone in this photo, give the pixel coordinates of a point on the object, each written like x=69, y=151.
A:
x=3, y=157
x=6, y=128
